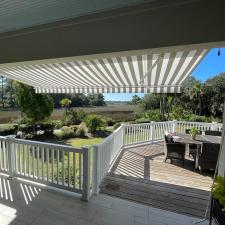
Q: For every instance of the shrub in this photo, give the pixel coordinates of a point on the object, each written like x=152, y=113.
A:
x=26, y=128
x=109, y=121
x=95, y=123
x=57, y=124
x=195, y=118
x=73, y=117
x=218, y=190
x=68, y=132
x=116, y=125
x=81, y=130
x=46, y=127
x=153, y=115
x=8, y=129
x=142, y=120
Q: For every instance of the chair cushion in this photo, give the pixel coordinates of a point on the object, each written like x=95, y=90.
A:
x=169, y=138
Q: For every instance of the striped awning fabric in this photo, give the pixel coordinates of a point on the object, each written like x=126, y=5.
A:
x=129, y=72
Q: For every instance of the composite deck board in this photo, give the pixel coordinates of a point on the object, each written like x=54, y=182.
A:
x=141, y=175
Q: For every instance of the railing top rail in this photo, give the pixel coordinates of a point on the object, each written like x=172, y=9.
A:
x=191, y=122
x=2, y=138
x=47, y=145
x=150, y=123
x=111, y=135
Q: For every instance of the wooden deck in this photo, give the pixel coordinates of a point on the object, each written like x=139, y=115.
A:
x=140, y=175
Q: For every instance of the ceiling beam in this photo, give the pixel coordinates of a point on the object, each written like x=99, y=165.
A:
x=154, y=24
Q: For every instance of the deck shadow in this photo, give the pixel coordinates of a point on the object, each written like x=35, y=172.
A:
x=140, y=174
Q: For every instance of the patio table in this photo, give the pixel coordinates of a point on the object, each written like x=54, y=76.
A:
x=186, y=139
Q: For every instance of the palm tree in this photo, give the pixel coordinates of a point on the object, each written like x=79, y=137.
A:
x=196, y=93
x=65, y=102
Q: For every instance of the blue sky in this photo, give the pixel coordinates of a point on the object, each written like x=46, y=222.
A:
x=210, y=66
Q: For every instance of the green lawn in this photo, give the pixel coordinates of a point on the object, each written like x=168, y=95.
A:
x=81, y=142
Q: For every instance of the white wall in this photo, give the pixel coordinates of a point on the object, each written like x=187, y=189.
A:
x=221, y=168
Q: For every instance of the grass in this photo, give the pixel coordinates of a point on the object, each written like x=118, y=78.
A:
x=80, y=142
x=25, y=158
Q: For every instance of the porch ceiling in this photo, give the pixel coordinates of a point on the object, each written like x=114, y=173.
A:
x=15, y=15
x=151, y=70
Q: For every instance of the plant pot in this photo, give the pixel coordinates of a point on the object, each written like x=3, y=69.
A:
x=193, y=136
x=218, y=214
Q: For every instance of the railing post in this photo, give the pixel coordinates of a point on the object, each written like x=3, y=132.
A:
x=86, y=173
x=151, y=131
x=174, y=128
x=123, y=133
x=95, y=178
x=11, y=155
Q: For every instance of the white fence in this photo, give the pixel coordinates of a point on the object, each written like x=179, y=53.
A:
x=154, y=131
x=104, y=155
x=4, y=155
x=81, y=170
x=56, y=165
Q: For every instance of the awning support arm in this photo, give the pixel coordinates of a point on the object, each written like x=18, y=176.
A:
x=150, y=69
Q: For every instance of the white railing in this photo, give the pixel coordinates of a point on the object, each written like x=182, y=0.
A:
x=70, y=168
x=105, y=154
x=154, y=131
x=56, y=165
x=4, y=155
x=181, y=126
x=146, y=132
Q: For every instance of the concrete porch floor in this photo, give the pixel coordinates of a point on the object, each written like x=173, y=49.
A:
x=23, y=203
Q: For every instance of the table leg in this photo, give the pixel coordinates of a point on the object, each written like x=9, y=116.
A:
x=197, y=157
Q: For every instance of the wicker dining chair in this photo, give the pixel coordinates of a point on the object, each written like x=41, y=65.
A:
x=213, y=132
x=174, y=151
x=192, y=148
x=208, y=156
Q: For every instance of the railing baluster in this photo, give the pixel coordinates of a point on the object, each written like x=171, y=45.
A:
x=1, y=166
x=38, y=168
x=52, y=156
x=20, y=159
x=3, y=156
x=16, y=158
x=28, y=151
x=74, y=169
x=80, y=171
x=63, y=169
x=33, y=171
x=57, y=158
x=42, y=163
x=68, y=168
x=47, y=162
x=24, y=160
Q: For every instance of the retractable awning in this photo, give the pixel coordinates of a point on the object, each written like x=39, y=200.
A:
x=151, y=70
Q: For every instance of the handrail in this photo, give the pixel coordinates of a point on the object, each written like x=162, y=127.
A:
x=47, y=145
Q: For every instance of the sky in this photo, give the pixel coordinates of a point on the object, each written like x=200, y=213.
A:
x=210, y=66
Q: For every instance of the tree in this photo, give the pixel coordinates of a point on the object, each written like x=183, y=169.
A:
x=135, y=100
x=36, y=107
x=196, y=93
x=65, y=103
x=10, y=95
x=95, y=123
x=214, y=90
x=96, y=99
x=150, y=101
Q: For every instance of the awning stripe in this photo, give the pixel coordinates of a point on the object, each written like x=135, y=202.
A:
x=150, y=71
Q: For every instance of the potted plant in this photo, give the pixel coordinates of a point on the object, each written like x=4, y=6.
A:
x=218, y=201
x=193, y=132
